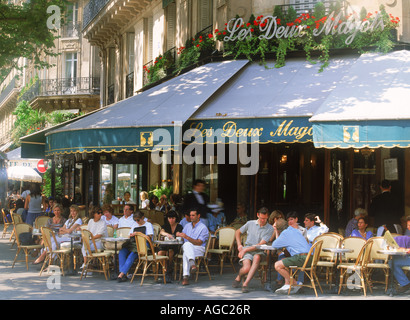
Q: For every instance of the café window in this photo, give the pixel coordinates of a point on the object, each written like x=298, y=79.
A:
x=126, y=180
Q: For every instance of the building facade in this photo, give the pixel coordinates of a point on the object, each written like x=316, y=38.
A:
x=129, y=37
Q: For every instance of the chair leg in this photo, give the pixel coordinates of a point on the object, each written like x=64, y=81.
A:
x=26, y=251
x=47, y=259
x=15, y=258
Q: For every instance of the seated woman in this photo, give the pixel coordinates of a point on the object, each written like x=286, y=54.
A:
x=72, y=224
x=98, y=229
x=109, y=217
x=55, y=223
x=129, y=252
x=169, y=230
x=360, y=231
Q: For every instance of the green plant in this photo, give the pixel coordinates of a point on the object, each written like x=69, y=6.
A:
x=58, y=182
x=159, y=191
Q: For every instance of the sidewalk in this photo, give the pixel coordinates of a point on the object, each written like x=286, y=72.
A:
x=19, y=284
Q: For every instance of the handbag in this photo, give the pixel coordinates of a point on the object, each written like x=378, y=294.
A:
x=130, y=243
x=26, y=239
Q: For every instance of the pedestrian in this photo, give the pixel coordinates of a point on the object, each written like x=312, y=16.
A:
x=34, y=203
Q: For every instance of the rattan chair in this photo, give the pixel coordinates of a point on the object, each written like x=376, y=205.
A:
x=157, y=230
x=378, y=261
x=41, y=221
x=6, y=223
x=16, y=218
x=328, y=260
x=27, y=249
x=98, y=257
x=60, y=253
x=147, y=258
x=357, y=270
x=200, y=260
x=226, y=240
x=110, y=231
x=310, y=271
x=354, y=243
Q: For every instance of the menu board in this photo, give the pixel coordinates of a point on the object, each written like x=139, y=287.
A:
x=391, y=171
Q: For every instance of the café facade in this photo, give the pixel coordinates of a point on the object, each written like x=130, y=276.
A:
x=289, y=138
x=300, y=137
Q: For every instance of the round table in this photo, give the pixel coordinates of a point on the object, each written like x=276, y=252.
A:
x=72, y=236
x=268, y=284
x=392, y=254
x=339, y=252
x=115, y=274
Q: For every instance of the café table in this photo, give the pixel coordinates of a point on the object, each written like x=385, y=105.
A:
x=339, y=252
x=115, y=274
x=392, y=254
x=72, y=236
x=272, y=250
x=178, y=242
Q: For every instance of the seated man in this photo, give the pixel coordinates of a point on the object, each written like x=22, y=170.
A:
x=258, y=233
x=129, y=252
x=295, y=243
x=402, y=261
x=312, y=229
x=195, y=235
x=127, y=220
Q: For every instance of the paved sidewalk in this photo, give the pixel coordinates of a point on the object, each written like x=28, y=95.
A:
x=19, y=284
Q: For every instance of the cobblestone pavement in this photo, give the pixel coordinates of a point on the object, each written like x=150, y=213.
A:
x=19, y=284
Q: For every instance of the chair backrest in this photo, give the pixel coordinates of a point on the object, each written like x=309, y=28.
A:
x=16, y=218
x=146, y=212
x=329, y=241
x=21, y=228
x=378, y=244
x=355, y=243
x=87, y=238
x=315, y=249
x=157, y=230
x=48, y=234
x=143, y=241
x=41, y=221
x=364, y=255
x=110, y=231
x=123, y=232
x=226, y=237
x=157, y=217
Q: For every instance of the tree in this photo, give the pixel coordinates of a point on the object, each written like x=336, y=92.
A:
x=28, y=30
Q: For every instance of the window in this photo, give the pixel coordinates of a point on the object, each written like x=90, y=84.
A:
x=69, y=83
x=149, y=39
x=170, y=13
x=72, y=27
x=204, y=14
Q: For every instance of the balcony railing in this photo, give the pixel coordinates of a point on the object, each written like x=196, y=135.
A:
x=307, y=7
x=63, y=86
x=91, y=9
x=168, y=68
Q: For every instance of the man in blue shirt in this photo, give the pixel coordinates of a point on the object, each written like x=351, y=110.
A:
x=295, y=243
x=195, y=235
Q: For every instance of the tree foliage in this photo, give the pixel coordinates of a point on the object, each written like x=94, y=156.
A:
x=25, y=32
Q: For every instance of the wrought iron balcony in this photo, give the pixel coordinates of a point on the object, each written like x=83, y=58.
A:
x=91, y=9
x=63, y=86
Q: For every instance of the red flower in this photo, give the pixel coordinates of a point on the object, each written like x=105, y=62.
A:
x=278, y=21
x=252, y=30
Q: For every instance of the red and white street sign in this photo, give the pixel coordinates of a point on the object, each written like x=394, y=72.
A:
x=41, y=167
